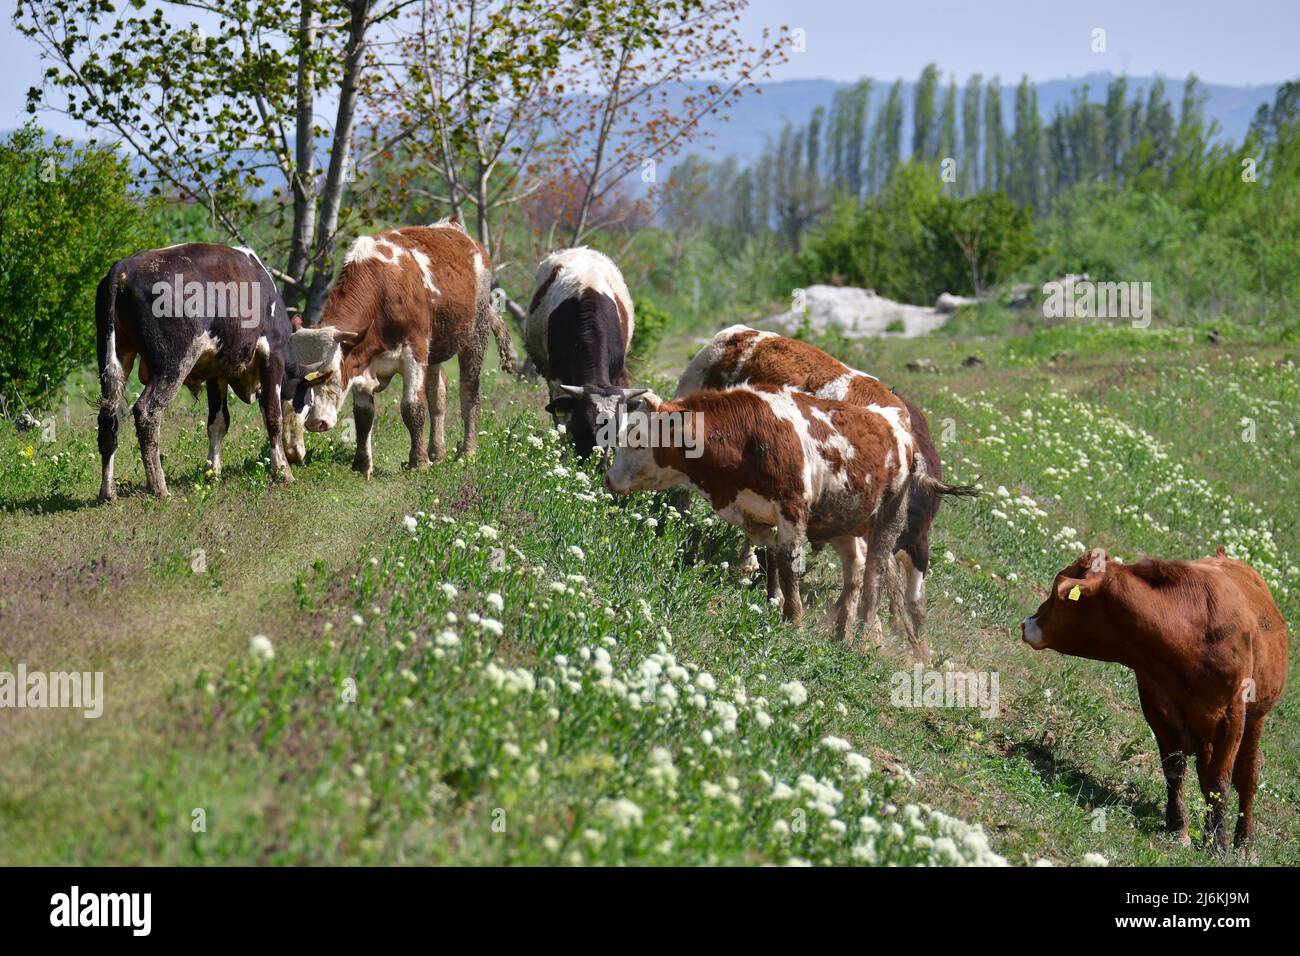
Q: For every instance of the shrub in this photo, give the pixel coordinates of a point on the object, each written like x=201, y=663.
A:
x=652, y=324
x=65, y=217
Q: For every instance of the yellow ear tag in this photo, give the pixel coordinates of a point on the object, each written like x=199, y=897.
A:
x=1074, y=593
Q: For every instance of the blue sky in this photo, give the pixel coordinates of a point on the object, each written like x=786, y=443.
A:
x=1234, y=42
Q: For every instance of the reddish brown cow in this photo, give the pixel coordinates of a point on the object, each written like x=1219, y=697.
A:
x=741, y=355
x=1209, y=648
x=785, y=467
x=406, y=301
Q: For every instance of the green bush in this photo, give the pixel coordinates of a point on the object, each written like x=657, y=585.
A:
x=65, y=216
x=652, y=324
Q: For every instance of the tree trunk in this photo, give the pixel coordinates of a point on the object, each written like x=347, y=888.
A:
x=304, y=171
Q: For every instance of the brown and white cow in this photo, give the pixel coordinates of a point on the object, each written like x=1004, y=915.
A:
x=578, y=331
x=741, y=355
x=786, y=467
x=406, y=301
x=1209, y=648
x=193, y=314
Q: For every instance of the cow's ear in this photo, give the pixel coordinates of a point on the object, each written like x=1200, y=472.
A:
x=1074, y=589
x=564, y=403
x=345, y=338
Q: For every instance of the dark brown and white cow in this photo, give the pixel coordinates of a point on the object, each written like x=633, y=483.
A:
x=193, y=314
x=741, y=355
x=406, y=301
x=1209, y=648
x=785, y=466
x=578, y=331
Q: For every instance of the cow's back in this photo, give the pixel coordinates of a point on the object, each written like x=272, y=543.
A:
x=565, y=285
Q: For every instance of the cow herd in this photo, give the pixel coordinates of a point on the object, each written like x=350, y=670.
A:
x=781, y=439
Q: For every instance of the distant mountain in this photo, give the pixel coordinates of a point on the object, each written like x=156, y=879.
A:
x=758, y=117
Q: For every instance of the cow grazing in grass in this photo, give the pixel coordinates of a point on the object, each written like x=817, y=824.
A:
x=786, y=467
x=406, y=301
x=578, y=331
x=1209, y=648
x=741, y=355
x=193, y=314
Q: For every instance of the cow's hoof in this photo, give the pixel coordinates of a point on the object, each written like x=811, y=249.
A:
x=362, y=467
x=418, y=465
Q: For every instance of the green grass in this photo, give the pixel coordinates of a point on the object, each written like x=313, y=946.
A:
x=593, y=685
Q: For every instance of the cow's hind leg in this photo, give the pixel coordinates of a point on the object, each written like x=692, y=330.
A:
x=851, y=550
x=1245, y=779
x=414, y=404
x=906, y=585
x=792, y=602
x=435, y=388
x=272, y=375
x=218, y=422
x=148, y=412
x=363, y=410
x=1214, y=765
x=471, y=365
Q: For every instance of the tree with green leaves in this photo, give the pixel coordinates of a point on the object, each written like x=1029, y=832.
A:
x=995, y=138
x=970, y=135
x=925, y=124
x=66, y=214
x=1024, y=184
x=886, y=139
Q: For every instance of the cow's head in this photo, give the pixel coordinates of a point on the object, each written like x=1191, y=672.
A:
x=319, y=354
x=592, y=412
x=1072, y=620
x=634, y=467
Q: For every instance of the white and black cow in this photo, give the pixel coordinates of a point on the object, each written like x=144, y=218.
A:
x=193, y=314
x=579, y=328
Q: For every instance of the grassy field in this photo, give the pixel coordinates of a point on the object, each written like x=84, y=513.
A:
x=493, y=662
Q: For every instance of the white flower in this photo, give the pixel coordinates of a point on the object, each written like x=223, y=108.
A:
x=487, y=531
x=449, y=590
x=1095, y=859
x=577, y=552
x=496, y=601
x=795, y=692
x=261, y=648
x=622, y=812
x=838, y=744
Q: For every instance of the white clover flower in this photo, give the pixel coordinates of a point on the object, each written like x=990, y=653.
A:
x=358, y=620
x=447, y=639
x=487, y=532
x=705, y=682
x=1095, y=859
x=496, y=601
x=623, y=813
x=577, y=552
x=412, y=524
x=858, y=764
x=795, y=692
x=837, y=744
x=492, y=624
x=449, y=590
x=261, y=648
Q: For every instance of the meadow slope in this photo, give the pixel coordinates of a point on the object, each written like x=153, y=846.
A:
x=493, y=662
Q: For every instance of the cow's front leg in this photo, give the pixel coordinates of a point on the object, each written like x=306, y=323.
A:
x=414, y=401
x=218, y=422
x=1173, y=761
x=363, y=410
x=270, y=399
x=148, y=412
x=435, y=388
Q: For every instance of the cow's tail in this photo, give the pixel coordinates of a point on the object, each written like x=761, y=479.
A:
x=505, y=349
x=112, y=381
x=930, y=483
x=923, y=478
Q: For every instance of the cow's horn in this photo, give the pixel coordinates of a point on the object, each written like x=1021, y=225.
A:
x=574, y=389
x=631, y=393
